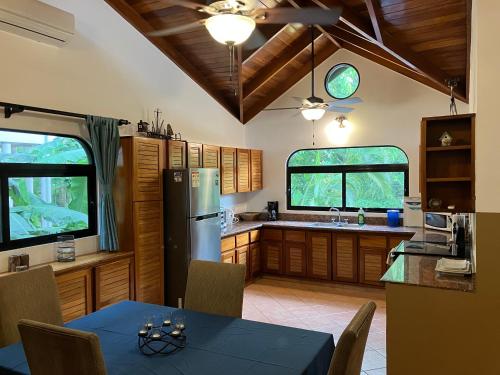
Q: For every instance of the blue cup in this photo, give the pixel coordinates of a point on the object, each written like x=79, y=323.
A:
x=393, y=218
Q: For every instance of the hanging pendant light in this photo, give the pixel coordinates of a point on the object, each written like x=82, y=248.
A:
x=230, y=29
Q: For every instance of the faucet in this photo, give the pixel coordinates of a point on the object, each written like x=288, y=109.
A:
x=333, y=217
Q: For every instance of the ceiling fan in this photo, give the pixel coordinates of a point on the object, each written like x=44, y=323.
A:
x=314, y=108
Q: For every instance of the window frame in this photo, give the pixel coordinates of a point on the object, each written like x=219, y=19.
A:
x=343, y=170
x=16, y=170
x=325, y=81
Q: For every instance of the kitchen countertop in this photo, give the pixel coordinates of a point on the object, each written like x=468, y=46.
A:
x=418, y=270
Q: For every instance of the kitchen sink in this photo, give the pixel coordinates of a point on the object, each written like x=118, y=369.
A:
x=334, y=225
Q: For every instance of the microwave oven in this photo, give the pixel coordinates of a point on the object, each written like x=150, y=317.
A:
x=439, y=221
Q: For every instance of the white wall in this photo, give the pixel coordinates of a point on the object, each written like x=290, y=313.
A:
x=108, y=69
x=390, y=115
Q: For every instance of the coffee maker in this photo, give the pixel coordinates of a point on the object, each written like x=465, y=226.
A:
x=272, y=210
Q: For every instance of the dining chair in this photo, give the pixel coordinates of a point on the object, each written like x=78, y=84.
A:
x=348, y=354
x=55, y=350
x=215, y=288
x=29, y=294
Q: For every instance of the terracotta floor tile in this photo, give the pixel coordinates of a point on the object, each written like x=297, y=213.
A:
x=373, y=360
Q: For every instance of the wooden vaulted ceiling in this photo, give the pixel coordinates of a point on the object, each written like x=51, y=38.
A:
x=426, y=40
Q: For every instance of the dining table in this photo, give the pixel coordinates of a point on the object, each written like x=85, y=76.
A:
x=214, y=344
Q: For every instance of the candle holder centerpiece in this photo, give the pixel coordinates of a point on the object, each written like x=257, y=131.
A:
x=162, y=336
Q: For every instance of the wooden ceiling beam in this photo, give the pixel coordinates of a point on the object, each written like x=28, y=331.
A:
x=274, y=66
x=320, y=56
x=146, y=6
x=373, y=11
x=136, y=20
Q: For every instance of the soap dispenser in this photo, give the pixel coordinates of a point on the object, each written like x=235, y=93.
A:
x=361, y=217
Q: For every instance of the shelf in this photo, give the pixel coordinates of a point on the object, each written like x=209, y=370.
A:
x=449, y=179
x=448, y=148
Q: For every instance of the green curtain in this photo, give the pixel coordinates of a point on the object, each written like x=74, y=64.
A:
x=105, y=140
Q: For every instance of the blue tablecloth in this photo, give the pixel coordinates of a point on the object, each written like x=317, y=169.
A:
x=215, y=345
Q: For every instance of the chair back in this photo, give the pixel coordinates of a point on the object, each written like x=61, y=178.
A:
x=55, y=350
x=29, y=294
x=215, y=288
x=348, y=354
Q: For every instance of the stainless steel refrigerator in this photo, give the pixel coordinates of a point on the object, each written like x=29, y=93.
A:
x=192, y=224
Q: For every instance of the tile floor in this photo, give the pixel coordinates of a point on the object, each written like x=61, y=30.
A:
x=321, y=307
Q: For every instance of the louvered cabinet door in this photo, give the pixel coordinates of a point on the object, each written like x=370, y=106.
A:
x=243, y=257
x=228, y=170
x=272, y=254
x=255, y=259
x=295, y=258
x=194, y=155
x=75, y=293
x=228, y=257
x=114, y=282
x=148, y=159
x=256, y=170
x=372, y=259
x=243, y=162
x=345, y=257
x=148, y=231
x=211, y=156
x=176, y=154
x=319, y=255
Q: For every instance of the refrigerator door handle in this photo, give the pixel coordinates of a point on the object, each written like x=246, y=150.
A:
x=204, y=217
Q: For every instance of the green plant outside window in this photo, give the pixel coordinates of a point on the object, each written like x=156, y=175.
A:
x=342, y=81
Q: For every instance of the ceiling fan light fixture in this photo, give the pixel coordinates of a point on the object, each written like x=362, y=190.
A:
x=230, y=29
x=313, y=114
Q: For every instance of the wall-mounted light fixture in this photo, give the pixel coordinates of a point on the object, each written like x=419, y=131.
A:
x=338, y=130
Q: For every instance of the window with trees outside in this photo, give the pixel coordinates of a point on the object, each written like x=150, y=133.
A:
x=374, y=178
x=47, y=188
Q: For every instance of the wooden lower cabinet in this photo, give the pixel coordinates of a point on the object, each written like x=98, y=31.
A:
x=345, y=257
x=295, y=258
x=319, y=255
x=114, y=282
x=228, y=257
x=272, y=257
x=372, y=265
x=255, y=259
x=243, y=257
x=75, y=293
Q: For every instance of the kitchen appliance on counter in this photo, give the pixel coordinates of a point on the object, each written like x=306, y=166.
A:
x=439, y=221
x=192, y=224
x=412, y=212
x=272, y=210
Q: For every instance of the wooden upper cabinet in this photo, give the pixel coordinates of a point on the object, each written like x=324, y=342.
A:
x=211, y=156
x=75, y=293
x=194, y=155
x=228, y=170
x=256, y=170
x=114, y=282
x=319, y=255
x=243, y=162
x=345, y=257
x=148, y=164
x=176, y=154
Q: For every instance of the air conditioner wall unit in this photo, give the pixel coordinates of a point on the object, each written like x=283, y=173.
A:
x=36, y=20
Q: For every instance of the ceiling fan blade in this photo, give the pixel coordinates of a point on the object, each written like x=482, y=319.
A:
x=280, y=109
x=178, y=29
x=354, y=100
x=300, y=100
x=309, y=16
x=256, y=40
x=333, y=108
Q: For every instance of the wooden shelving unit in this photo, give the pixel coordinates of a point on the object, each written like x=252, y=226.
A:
x=447, y=172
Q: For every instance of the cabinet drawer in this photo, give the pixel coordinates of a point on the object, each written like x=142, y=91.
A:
x=272, y=234
x=228, y=243
x=242, y=239
x=254, y=236
x=295, y=235
x=113, y=283
x=371, y=242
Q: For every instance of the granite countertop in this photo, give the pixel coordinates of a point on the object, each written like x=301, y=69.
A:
x=251, y=225
x=419, y=270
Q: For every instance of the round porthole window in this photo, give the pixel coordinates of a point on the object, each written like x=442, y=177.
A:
x=342, y=81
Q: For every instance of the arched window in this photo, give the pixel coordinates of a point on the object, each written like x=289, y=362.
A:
x=47, y=188
x=374, y=178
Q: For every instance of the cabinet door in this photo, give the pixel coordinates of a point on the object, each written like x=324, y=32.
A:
x=149, y=162
x=254, y=236
x=176, y=154
x=75, y=293
x=295, y=258
x=243, y=257
x=228, y=257
x=148, y=231
x=272, y=253
x=372, y=266
x=255, y=259
x=194, y=155
x=228, y=170
x=211, y=156
x=243, y=160
x=256, y=170
x=319, y=255
x=345, y=257
x=114, y=282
